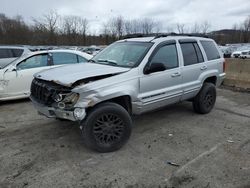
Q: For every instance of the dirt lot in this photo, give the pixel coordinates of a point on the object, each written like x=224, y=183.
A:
x=212, y=150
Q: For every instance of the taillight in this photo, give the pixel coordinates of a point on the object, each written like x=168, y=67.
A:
x=224, y=66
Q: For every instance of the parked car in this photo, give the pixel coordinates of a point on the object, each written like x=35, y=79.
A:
x=16, y=77
x=226, y=51
x=10, y=53
x=130, y=77
x=93, y=50
x=245, y=54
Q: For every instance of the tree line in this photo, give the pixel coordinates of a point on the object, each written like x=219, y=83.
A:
x=53, y=29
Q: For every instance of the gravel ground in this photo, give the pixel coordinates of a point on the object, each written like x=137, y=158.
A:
x=210, y=150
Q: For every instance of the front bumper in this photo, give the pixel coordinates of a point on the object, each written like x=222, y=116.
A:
x=52, y=112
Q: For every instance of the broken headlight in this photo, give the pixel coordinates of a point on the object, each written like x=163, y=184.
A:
x=67, y=100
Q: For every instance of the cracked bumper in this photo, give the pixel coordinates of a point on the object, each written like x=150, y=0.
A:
x=52, y=112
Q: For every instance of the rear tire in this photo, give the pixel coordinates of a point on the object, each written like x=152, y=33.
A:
x=107, y=127
x=204, y=101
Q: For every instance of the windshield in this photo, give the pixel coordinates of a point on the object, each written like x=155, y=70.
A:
x=123, y=54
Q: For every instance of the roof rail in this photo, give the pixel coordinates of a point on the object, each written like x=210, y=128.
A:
x=160, y=35
x=138, y=35
x=180, y=34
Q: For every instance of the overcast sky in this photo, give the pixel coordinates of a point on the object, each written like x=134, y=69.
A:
x=220, y=13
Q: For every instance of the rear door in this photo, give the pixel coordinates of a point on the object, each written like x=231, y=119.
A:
x=193, y=66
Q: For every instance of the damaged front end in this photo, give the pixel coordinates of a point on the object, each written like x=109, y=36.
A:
x=54, y=100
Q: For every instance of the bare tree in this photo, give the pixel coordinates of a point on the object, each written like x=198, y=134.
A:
x=48, y=21
x=180, y=28
x=195, y=28
x=147, y=26
x=246, y=29
x=205, y=26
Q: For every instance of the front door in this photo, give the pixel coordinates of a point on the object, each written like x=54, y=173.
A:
x=163, y=87
x=19, y=80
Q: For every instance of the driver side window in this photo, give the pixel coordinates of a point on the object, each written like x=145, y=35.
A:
x=33, y=62
x=167, y=55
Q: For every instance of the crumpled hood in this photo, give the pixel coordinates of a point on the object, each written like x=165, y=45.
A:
x=69, y=74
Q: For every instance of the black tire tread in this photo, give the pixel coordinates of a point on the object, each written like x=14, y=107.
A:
x=88, y=140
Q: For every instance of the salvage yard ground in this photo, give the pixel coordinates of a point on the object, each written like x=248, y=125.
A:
x=212, y=150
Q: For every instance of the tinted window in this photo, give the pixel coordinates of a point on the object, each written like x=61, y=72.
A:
x=60, y=58
x=17, y=52
x=191, y=53
x=198, y=52
x=166, y=55
x=5, y=53
x=210, y=49
x=33, y=62
x=81, y=59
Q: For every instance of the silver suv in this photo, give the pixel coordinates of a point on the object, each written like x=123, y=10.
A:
x=130, y=77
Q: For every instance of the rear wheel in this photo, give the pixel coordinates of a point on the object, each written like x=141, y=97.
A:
x=107, y=127
x=204, y=102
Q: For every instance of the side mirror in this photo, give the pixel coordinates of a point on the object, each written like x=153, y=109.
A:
x=154, y=67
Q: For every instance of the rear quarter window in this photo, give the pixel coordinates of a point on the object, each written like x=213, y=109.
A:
x=6, y=53
x=210, y=50
x=17, y=52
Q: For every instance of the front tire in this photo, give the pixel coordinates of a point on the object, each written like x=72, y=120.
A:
x=107, y=127
x=204, y=101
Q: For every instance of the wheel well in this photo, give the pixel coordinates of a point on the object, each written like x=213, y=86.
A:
x=124, y=101
x=211, y=79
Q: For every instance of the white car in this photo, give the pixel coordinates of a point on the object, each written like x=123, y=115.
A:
x=236, y=54
x=10, y=53
x=16, y=77
x=245, y=54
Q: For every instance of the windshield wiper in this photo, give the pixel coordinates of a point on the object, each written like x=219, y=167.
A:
x=111, y=62
x=92, y=61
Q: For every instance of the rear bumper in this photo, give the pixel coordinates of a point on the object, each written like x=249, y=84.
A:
x=52, y=112
x=221, y=77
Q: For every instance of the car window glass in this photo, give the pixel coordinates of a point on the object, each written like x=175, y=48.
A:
x=210, y=49
x=60, y=58
x=166, y=55
x=191, y=53
x=124, y=54
x=198, y=52
x=33, y=62
x=5, y=53
x=81, y=59
x=17, y=52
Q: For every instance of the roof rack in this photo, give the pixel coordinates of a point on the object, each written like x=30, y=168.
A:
x=160, y=35
x=177, y=34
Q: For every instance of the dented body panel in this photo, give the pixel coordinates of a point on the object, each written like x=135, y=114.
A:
x=68, y=74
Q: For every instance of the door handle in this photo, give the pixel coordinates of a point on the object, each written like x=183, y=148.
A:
x=176, y=74
x=204, y=67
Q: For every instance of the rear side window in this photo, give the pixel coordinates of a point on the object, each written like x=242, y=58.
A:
x=6, y=53
x=81, y=59
x=60, y=58
x=17, y=52
x=211, y=50
x=191, y=53
x=166, y=55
